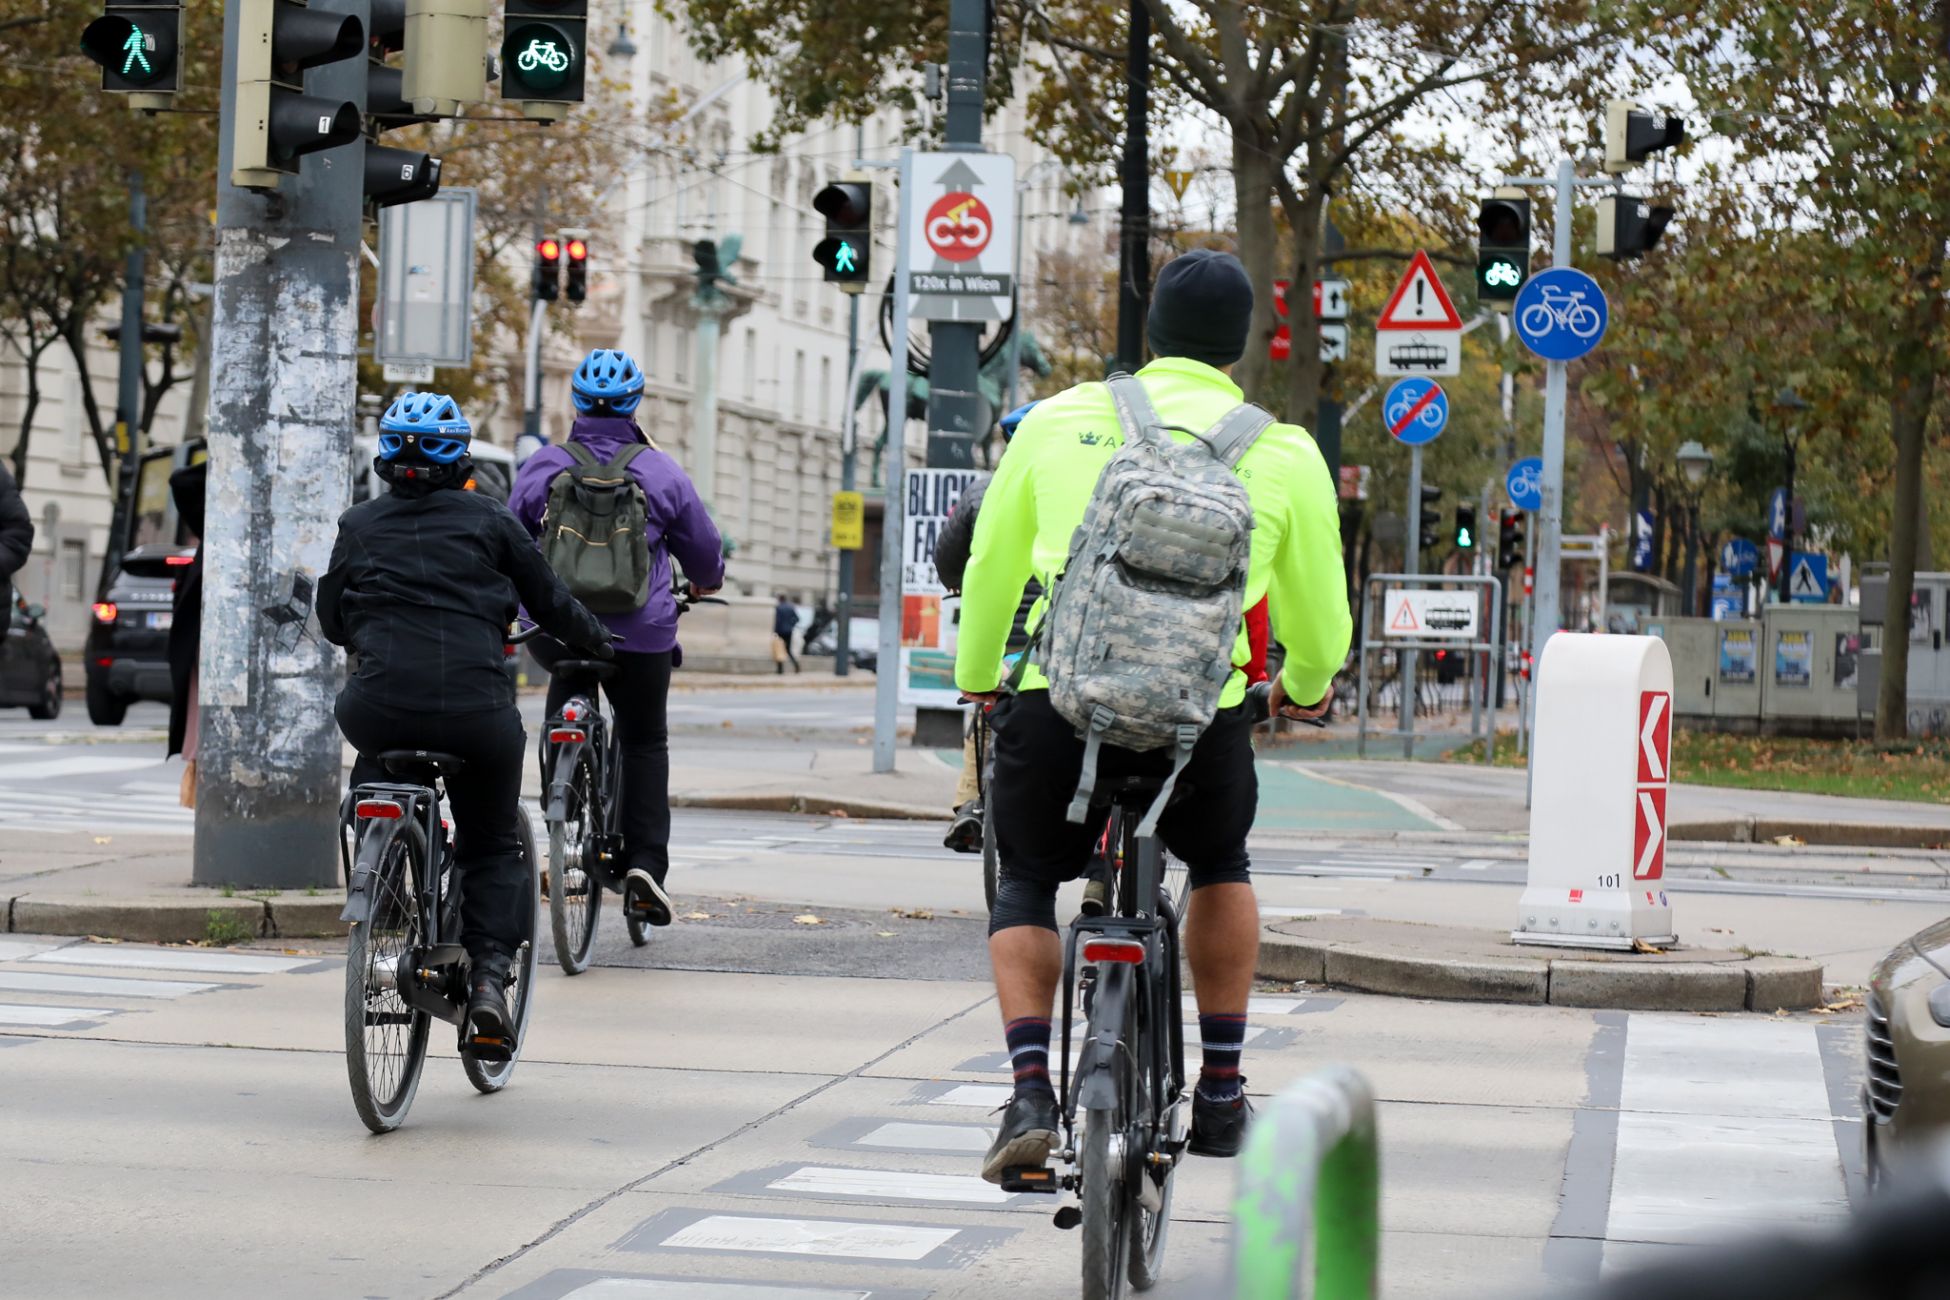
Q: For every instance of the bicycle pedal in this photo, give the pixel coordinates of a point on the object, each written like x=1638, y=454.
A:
x=485, y=1047
x=1029, y=1178
x=1068, y=1217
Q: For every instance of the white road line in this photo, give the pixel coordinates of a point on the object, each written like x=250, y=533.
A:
x=1260, y=1006
x=76, y=765
x=21, y=981
x=1291, y=913
x=49, y=1017
x=17, y=949
x=1363, y=860
x=1477, y=864
x=1724, y=1126
x=889, y=1185
x=985, y=1095
x=190, y=959
x=903, y=1242
x=666, y=1288
x=948, y=1139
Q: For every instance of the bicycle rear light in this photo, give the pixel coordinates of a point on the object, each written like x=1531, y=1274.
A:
x=1130, y=951
x=566, y=735
x=382, y=809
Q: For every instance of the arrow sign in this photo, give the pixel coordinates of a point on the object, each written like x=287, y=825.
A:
x=1777, y=514
x=1655, y=734
x=1649, y=836
x=1654, y=770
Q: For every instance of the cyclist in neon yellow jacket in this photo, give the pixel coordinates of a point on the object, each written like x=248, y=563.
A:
x=1197, y=327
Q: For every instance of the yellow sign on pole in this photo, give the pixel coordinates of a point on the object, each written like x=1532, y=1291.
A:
x=1179, y=182
x=849, y=521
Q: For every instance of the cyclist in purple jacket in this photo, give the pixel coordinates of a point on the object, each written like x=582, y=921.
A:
x=607, y=387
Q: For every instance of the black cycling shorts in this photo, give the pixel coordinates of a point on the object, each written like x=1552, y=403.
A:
x=1038, y=758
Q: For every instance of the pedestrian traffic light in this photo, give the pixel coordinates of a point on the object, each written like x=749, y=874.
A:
x=847, y=250
x=139, y=49
x=446, y=65
x=1628, y=226
x=1633, y=134
x=276, y=123
x=578, y=252
x=391, y=175
x=1509, y=538
x=548, y=268
x=1465, y=528
x=1431, y=517
x=1502, y=247
x=543, y=56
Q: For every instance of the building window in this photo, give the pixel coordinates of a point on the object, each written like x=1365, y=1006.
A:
x=751, y=363
x=74, y=568
x=799, y=384
x=825, y=411
x=680, y=354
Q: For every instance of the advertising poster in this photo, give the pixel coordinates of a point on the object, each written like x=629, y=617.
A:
x=1848, y=645
x=1737, y=655
x=929, y=615
x=1794, y=659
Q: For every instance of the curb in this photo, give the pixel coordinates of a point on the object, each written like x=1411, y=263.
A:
x=1764, y=984
x=1854, y=835
x=178, y=920
x=812, y=805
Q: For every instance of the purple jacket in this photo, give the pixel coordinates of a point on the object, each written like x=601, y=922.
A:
x=679, y=524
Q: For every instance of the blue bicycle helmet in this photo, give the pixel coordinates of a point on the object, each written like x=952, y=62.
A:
x=1013, y=418
x=424, y=426
x=608, y=380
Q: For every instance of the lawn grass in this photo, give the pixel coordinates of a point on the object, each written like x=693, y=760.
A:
x=1917, y=771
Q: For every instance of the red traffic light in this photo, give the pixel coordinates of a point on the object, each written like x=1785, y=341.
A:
x=549, y=249
x=578, y=251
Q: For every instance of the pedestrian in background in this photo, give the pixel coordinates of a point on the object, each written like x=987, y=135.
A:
x=16, y=542
x=784, y=619
x=187, y=486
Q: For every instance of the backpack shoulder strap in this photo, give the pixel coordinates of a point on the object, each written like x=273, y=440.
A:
x=580, y=454
x=625, y=456
x=1135, y=412
x=1236, y=432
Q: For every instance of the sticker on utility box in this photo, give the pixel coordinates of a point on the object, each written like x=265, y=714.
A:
x=1437, y=615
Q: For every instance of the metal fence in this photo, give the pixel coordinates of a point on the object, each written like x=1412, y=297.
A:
x=1387, y=662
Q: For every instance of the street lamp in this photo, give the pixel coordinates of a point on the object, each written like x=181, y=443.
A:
x=622, y=47
x=1694, y=463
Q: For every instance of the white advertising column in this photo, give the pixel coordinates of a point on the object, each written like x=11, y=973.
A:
x=1601, y=766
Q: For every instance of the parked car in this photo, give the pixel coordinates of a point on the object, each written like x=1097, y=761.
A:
x=127, y=650
x=30, y=670
x=863, y=641
x=1906, y=1087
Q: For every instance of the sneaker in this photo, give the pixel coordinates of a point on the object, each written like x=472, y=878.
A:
x=1096, y=897
x=1027, y=1135
x=644, y=897
x=965, y=835
x=488, y=1033
x=1219, y=1127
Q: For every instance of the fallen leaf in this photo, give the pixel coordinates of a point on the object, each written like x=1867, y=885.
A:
x=884, y=934
x=913, y=914
x=726, y=724
x=1714, y=929
x=1640, y=945
x=104, y=839
x=97, y=938
x=840, y=813
x=1790, y=841
x=697, y=916
x=807, y=918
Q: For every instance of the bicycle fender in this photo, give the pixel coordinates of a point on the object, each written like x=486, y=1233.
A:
x=566, y=758
x=1096, y=1075
x=372, y=851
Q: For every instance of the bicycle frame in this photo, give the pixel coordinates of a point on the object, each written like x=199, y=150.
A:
x=439, y=906
x=605, y=757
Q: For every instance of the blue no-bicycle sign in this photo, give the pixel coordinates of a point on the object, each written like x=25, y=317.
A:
x=1415, y=411
x=1560, y=314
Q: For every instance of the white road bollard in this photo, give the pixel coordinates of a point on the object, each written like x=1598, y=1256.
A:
x=1601, y=765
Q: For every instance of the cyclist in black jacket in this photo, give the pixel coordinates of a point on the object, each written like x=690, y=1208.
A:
x=424, y=581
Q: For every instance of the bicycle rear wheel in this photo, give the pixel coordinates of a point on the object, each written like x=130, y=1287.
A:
x=575, y=891
x=385, y=1039
x=1149, y=1227
x=493, y=1076
x=1108, y=1199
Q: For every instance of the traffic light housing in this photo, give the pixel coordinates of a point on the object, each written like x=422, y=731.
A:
x=1502, y=247
x=276, y=123
x=1632, y=134
x=1431, y=517
x=391, y=175
x=1509, y=539
x=139, y=47
x=578, y=277
x=1465, y=528
x=548, y=268
x=446, y=63
x=847, y=251
x=1628, y=226
x=544, y=56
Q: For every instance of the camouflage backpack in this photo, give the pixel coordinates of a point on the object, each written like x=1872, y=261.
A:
x=1137, y=643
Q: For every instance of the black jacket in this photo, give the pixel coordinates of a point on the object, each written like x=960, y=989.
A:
x=422, y=588
x=952, y=549
x=16, y=542
x=187, y=486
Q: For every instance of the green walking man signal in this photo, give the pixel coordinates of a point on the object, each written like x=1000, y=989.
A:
x=845, y=261
x=136, y=50
x=136, y=47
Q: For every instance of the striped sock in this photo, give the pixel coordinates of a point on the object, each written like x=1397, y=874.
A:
x=1029, y=1053
x=1223, y=1038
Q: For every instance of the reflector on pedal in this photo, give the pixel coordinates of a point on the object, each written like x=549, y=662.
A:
x=383, y=809
x=1035, y=1178
x=1124, y=950
x=565, y=735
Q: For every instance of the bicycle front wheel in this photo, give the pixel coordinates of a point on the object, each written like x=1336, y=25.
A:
x=493, y=1076
x=385, y=1039
x=575, y=893
x=1536, y=320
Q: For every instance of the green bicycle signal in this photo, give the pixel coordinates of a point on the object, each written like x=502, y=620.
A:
x=541, y=57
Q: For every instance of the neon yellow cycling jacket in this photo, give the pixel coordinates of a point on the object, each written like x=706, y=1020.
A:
x=1046, y=479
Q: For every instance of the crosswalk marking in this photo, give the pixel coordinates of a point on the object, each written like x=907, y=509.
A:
x=889, y=1184
x=1259, y=1006
x=986, y=1095
x=905, y=1243
x=21, y=981
x=947, y=1139
x=49, y=1017
x=1296, y=913
x=16, y=949
x=181, y=959
x=76, y=765
x=670, y=1288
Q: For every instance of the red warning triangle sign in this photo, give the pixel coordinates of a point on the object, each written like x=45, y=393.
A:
x=1404, y=619
x=1419, y=301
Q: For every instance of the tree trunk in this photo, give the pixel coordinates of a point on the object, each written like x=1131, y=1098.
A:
x=1252, y=188
x=1301, y=395
x=1909, y=407
x=27, y=419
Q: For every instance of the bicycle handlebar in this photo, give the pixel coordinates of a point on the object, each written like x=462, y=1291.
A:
x=1259, y=706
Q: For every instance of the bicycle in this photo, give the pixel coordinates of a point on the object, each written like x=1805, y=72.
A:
x=582, y=808
x=404, y=964
x=1565, y=307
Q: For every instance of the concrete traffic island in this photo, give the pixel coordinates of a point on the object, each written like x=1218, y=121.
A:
x=1440, y=961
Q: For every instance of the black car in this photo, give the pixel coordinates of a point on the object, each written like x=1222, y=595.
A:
x=30, y=671
x=127, y=654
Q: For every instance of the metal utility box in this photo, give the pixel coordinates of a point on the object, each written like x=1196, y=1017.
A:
x=1812, y=664
x=1694, y=646
x=1929, y=657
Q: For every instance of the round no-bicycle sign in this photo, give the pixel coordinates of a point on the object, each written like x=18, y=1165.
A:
x=959, y=226
x=1415, y=411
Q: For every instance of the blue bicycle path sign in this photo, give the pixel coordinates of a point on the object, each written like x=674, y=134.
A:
x=1415, y=411
x=1560, y=314
x=1525, y=483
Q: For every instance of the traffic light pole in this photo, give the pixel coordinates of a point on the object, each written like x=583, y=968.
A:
x=1550, y=515
x=887, y=670
x=531, y=419
x=281, y=420
x=128, y=388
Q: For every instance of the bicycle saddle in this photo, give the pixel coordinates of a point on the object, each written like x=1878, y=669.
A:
x=599, y=669
x=400, y=762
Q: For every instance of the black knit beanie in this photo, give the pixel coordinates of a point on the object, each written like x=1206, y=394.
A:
x=1201, y=307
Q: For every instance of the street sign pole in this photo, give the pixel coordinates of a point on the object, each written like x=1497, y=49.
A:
x=1550, y=516
x=887, y=671
x=1411, y=564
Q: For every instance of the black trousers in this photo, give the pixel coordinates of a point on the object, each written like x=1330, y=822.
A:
x=638, y=695
x=485, y=798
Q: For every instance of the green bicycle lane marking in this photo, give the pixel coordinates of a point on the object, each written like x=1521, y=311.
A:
x=1292, y=800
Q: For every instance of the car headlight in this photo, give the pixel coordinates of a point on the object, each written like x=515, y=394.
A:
x=1940, y=1005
